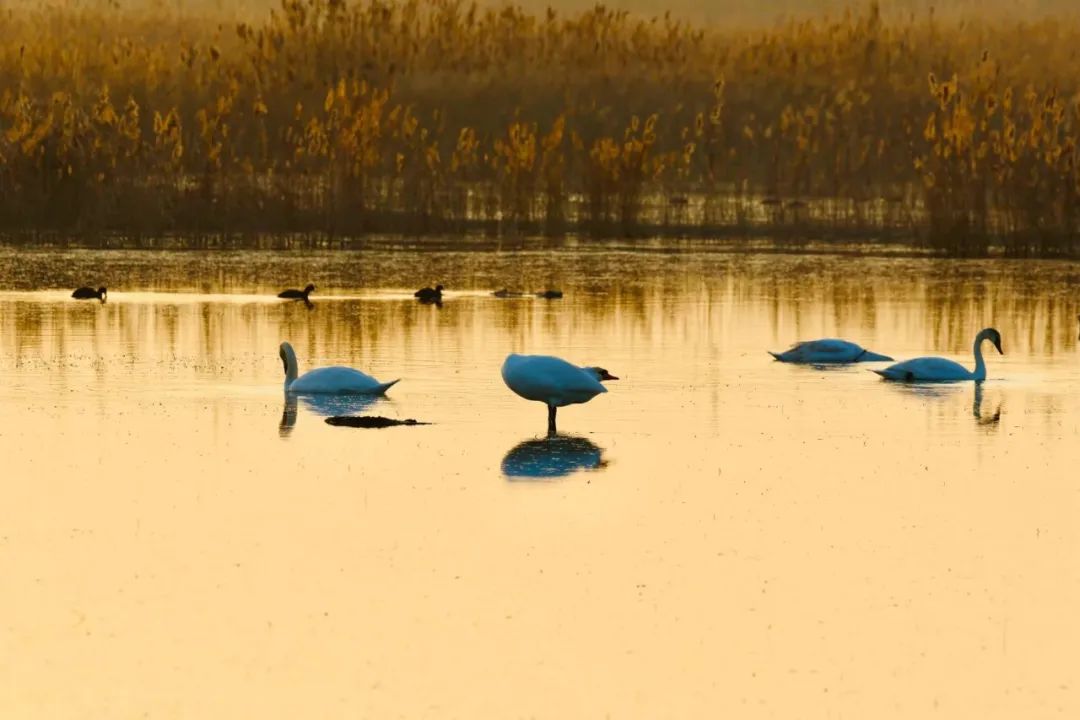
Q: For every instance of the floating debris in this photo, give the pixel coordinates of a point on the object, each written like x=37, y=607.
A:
x=369, y=421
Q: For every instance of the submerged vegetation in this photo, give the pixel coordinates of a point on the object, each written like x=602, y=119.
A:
x=353, y=116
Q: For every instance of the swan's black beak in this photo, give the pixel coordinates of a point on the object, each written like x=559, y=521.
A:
x=998, y=346
x=605, y=375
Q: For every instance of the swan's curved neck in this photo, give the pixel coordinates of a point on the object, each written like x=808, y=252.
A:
x=288, y=357
x=980, y=364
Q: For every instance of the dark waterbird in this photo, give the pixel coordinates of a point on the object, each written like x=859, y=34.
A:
x=550, y=294
x=294, y=294
x=89, y=293
x=429, y=295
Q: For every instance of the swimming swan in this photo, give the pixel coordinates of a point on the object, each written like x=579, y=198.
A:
x=334, y=379
x=828, y=350
x=936, y=369
x=553, y=381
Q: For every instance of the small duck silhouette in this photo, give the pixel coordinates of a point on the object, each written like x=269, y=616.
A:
x=89, y=293
x=293, y=294
x=429, y=295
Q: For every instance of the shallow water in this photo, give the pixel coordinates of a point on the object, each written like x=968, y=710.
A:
x=719, y=535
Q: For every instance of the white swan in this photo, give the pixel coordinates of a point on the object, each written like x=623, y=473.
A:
x=335, y=379
x=828, y=350
x=553, y=381
x=936, y=369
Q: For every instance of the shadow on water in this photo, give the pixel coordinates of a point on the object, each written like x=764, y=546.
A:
x=554, y=456
x=322, y=405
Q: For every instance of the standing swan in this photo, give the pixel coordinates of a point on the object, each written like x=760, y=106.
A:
x=334, y=379
x=828, y=350
x=936, y=369
x=553, y=381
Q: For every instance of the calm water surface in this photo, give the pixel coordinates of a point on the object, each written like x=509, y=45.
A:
x=718, y=536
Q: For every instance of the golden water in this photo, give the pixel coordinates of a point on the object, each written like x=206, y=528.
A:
x=720, y=535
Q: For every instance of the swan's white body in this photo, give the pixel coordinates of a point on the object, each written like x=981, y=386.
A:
x=550, y=380
x=828, y=350
x=553, y=381
x=336, y=379
x=938, y=369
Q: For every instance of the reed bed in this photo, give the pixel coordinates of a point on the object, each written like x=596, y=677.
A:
x=346, y=117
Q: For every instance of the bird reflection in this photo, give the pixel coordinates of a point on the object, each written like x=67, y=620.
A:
x=928, y=390
x=288, y=416
x=937, y=391
x=976, y=409
x=553, y=456
x=323, y=405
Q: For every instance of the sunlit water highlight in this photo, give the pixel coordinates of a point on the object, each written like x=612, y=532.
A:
x=720, y=535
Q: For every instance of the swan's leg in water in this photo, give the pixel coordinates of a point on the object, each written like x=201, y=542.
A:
x=551, y=419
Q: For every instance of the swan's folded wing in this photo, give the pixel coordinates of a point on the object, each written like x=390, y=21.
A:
x=824, y=350
x=829, y=346
x=939, y=367
x=544, y=378
x=927, y=369
x=337, y=379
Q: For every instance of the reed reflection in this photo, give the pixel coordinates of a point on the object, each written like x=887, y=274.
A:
x=550, y=457
x=672, y=297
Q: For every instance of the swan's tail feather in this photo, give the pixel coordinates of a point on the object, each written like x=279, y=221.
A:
x=778, y=356
x=386, y=386
x=882, y=373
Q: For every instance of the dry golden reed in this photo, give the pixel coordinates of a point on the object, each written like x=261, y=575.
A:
x=439, y=115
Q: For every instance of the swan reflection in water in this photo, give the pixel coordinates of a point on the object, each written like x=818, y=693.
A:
x=325, y=405
x=554, y=456
x=982, y=418
x=933, y=390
